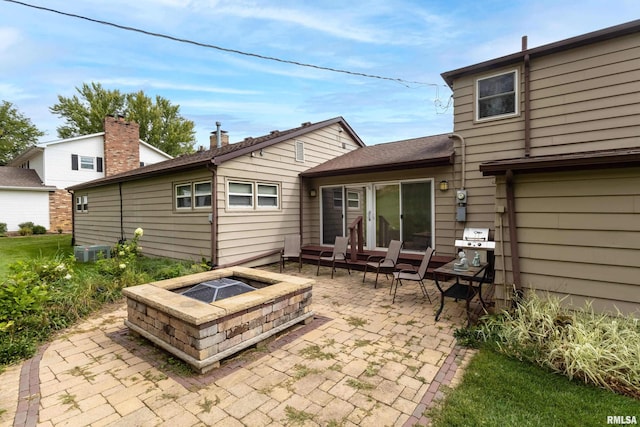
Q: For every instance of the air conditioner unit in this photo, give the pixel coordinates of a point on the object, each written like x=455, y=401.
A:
x=91, y=253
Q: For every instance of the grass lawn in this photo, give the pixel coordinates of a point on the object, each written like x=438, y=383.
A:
x=500, y=391
x=13, y=249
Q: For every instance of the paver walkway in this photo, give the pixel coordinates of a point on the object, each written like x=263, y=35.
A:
x=362, y=362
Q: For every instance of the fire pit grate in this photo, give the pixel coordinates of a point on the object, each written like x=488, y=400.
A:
x=215, y=290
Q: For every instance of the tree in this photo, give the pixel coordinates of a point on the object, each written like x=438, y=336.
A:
x=16, y=132
x=161, y=124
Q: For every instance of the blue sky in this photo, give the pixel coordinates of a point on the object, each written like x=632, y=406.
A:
x=43, y=55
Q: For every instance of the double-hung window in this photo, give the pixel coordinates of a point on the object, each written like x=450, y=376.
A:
x=253, y=195
x=496, y=96
x=192, y=195
x=82, y=203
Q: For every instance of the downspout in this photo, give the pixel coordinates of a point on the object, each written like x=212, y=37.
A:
x=73, y=218
x=527, y=100
x=214, y=215
x=300, y=209
x=122, y=237
x=513, y=234
x=463, y=153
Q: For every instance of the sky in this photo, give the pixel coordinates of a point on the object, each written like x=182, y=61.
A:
x=402, y=46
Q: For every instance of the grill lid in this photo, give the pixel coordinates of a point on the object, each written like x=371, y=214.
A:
x=475, y=238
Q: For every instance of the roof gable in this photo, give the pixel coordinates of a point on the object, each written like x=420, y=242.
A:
x=217, y=156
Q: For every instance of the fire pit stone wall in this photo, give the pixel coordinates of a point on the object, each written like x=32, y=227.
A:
x=202, y=334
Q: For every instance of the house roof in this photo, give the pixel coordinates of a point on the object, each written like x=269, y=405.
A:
x=548, y=49
x=426, y=151
x=21, y=179
x=216, y=156
x=601, y=159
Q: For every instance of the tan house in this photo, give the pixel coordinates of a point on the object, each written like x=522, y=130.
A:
x=233, y=203
x=549, y=139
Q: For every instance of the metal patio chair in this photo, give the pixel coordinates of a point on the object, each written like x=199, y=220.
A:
x=386, y=264
x=291, y=250
x=413, y=275
x=339, y=254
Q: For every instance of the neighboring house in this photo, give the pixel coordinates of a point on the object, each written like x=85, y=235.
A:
x=550, y=140
x=232, y=203
x=22, y=190
x=66, y=162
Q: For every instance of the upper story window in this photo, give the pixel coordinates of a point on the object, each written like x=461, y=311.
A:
x=86, y=163
x=193, y=195
x=497, y=96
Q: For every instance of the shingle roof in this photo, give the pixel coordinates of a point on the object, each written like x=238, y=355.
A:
x=406, y=154
x=21, y=178
x=217, y=156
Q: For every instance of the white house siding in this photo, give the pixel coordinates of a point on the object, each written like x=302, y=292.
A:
x=57, y=162
x=13, y=203
x=150, y=155
x=579, y=235
x=246, y=233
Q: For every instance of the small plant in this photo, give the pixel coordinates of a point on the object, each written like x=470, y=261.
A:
x=315, y=352
x=297, y=417
x=359, y=385
x=356, y=321
x=207, y=404
x=69, y=399
x=3, y=229
x=302, y=371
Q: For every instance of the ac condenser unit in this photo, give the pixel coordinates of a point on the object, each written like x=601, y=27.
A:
x=91, y=253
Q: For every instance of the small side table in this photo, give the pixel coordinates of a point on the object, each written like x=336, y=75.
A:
x=460, y=290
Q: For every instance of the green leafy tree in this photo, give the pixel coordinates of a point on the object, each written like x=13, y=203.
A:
x=161, y=124
x=16, y=132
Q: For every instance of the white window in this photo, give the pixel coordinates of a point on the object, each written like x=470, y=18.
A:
x=193, y=195
x=497, y=96
x=202, y=192
x=267, y=195
x=353, y=200
x=299, y=151
x=82, y=203
x=87, y=162
x=240, y=194
x=253, y=195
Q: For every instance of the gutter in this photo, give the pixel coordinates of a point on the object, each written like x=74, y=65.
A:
x=214, y=216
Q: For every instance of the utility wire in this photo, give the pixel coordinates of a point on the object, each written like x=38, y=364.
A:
x=223, y=49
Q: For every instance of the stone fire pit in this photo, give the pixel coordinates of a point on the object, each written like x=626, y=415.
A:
x=202, y=333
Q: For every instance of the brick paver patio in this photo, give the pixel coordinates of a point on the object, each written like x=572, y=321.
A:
x=362, y=362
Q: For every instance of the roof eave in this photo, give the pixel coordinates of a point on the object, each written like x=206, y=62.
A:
x=548, y=49
x=423, y=163
x=553, y=164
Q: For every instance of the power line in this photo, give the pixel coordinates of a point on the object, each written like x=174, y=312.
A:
x=223, y=49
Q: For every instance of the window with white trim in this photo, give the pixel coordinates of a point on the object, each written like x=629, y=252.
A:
x=253, y=195
x=192, y=195
x=82, y=203
x=497, y=96
x=353, y=200
x=87, y=163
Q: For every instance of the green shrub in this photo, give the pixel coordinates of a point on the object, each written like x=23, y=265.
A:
x=39, y=229
x=25, y=231
x=27, y=224
x=581, y=344
x=3, y=229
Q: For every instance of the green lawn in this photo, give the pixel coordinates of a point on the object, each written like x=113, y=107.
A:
x=500, y=391
x=13, y=249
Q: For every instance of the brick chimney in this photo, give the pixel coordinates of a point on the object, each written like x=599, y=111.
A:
x=121, y=145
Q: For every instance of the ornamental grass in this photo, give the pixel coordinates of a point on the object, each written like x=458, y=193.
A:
x=595, y=348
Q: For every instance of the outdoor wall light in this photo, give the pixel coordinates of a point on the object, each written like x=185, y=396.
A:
x=313, y=193
x=444, y=185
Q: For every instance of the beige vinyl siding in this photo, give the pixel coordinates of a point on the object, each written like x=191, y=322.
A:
x=244, y=233
x=148, y=203
x=446, y=228
x=579, y=234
